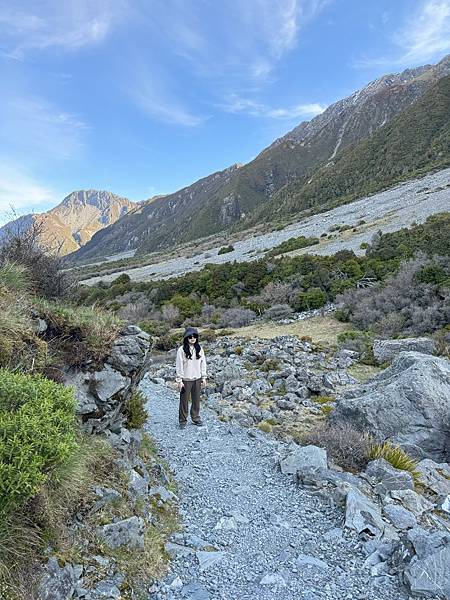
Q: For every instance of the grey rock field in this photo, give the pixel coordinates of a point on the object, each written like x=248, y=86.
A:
x=267, y=538
x=390, y=210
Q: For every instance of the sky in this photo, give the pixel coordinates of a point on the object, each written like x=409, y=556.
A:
x=144, y=97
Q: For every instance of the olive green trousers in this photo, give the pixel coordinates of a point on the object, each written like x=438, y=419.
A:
x=191, y=390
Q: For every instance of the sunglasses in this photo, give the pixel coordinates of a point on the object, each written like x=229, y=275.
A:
x=192, y=337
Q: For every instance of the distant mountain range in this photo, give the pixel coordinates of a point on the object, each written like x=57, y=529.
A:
x=395, y=128
x=71, y=224
x=345, y=151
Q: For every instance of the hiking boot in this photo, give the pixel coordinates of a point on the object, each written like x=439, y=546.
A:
x=182, y=426
x=199, y=423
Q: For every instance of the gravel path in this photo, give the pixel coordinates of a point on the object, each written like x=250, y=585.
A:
x=387, y=211
x=250, y=533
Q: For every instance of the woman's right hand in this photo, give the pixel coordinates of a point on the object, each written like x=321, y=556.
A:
x=180, y=386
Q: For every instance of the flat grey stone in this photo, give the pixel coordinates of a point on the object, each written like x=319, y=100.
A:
x=303, y=456
x=363, y=515
x=273, y=579
x=387, y=350
x=128, y=532
x=311, y=561
x=400, y=517
x=208, y=559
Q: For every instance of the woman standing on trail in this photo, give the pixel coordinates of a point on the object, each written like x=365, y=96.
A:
x=191, y=376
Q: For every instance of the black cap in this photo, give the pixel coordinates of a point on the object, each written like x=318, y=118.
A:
x=190, y=331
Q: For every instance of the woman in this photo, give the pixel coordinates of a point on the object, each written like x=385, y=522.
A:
x=191, y=376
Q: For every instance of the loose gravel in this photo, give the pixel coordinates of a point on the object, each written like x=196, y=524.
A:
x=249, y=532
x=400, y=206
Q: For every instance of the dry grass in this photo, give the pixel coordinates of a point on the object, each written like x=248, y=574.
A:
x=321, y=330
x=363, y=372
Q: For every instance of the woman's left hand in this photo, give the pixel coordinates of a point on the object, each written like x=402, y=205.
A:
x=203, y=381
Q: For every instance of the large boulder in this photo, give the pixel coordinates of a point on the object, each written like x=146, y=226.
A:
x=386, y=350
x=408, y=403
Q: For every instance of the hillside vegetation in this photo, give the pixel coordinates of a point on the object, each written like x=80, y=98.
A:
x=233, y=294
x=413, y=143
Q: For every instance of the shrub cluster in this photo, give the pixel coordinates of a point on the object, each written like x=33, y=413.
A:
x=37, y=429
x=308, y=282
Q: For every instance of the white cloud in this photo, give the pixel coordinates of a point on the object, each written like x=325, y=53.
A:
x=235, y=104
x=426, y=35
x=70, y=25
x=32, y=125
x=20, y=191
x=239, y=38
x=151, y=91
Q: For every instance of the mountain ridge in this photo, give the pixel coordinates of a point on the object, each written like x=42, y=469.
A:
x=73, y=222
x=228, y=198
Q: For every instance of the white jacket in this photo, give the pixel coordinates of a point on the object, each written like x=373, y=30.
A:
x=190, y=368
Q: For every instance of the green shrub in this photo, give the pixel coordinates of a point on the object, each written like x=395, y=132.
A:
x=397, y=457
x=168, y=342
x=226, y=249
x=154, y=327
x=364, y=245
x=238, y=350
x=208, y=335
x=313, y=298
x=187, y=306
x=135, y=411
x=37, y=434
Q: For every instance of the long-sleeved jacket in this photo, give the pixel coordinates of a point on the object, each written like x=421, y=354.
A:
x=190, y=368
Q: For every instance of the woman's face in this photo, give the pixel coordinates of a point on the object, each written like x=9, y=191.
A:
x=192, y=339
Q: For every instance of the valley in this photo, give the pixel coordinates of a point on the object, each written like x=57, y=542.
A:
x=387, y=211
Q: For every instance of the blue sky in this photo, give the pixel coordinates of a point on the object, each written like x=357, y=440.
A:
x=143, y=97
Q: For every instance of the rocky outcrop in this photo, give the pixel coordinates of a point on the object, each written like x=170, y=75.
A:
x=408, y=403
x=386, y=350
x=102, y=394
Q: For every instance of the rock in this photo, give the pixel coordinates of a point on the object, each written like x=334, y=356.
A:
x=130, y=352
x=362, y=515
x=59, y=583
x=434, y=476
x=310, y=561
x=303, y=456
x=408, y=403
x=138, y=485
x=194, y=591
x=128, y=532
x=107, y=590
x=428, y=572
x=332, y=485
x=105, y=384
x=177, y=549
x=86, y=402
x=386, y=350
x=164, y=494
x=400, y=517
x=413, y=501
x=388, y=477
x=445, y=506
x=272, y=579
x=40, y=326
x=226, y=524
x=208, y=559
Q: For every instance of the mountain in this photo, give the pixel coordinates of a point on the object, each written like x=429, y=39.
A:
x=72, y=223
x=413, y=143
x=238, y=195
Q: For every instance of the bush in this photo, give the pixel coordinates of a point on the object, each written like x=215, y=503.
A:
x=236, y=317
x=397, y=457
x=44, y=266
x=278, y=311
x=135, y=411
x=168, y=342
x=407, y=305
x=154, y=327
x=358, y=341
x=313, y=298
x=226, y=249
x=37, y=429
x=347, y=446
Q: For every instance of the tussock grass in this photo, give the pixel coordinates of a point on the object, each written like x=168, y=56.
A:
x=397, y=457
x=88, y=329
